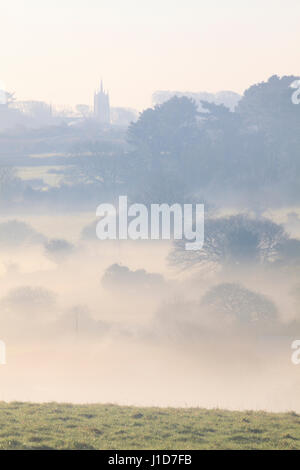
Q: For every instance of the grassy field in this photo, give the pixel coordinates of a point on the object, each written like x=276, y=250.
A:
x=65, y=426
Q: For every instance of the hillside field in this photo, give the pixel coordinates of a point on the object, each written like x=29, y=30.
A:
x=66, y=426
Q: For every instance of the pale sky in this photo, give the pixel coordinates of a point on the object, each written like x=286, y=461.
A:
x=57, y=50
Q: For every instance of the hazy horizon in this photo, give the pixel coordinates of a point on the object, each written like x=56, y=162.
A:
x=138, y=48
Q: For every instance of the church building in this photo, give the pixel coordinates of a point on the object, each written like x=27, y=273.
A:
x=102, y=106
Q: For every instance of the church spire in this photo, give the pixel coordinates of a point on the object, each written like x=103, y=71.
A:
x=101, y=105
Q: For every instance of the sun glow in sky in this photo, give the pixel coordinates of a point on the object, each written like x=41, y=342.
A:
x=57, y=50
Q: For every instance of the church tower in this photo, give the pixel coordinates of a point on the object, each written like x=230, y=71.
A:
x=101, y=105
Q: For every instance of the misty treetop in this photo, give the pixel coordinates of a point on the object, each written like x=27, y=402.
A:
x=255, y=148
x=239, y=241
x=177, y=151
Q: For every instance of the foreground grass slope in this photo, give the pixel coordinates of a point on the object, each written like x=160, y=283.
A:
x=65, y=426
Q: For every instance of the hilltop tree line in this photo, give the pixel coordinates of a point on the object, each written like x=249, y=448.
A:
x=176, y=152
